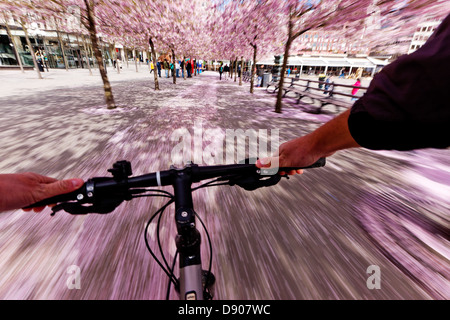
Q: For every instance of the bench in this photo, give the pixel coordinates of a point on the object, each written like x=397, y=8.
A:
x=325, y=97
x=246, y=76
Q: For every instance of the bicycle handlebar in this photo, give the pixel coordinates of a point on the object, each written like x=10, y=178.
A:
x=106, y=193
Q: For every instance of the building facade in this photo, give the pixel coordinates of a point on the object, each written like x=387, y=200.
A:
x=328, y=42
x=54, y=48
x=422, y=34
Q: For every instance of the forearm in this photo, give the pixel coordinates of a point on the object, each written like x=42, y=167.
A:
x=332, y=136
x=305, y=150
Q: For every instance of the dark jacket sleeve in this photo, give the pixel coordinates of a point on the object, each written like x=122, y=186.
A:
x=407, y=105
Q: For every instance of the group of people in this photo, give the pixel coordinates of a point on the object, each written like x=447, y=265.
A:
x=177, y=69
x=326, y=81
x=42, y=60
x=225, y=70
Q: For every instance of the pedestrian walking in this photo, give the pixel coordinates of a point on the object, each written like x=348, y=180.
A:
x=355, y=89
x=158, y=66
x=189, y=68
x=177, y=67
x=166, y=67
x=322, y=78
x=172, y=69
x=226, y=69
x=220, y=71
x=260, y=74
x=152, y=67
x=182, y=68
x=327, y=85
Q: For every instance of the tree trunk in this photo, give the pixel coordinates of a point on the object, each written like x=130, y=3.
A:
x=231, y=69
x=278, y=105
x=155, y=68
x=109, y=98
x=291, y=38
x=16, y=52
x=235, y=69
x=91, y=52
x=252, y=80
x=115, y=57
x=63, y=52
x=111, y=53
x=31, y=49
x=86, y=54
x=135, y=59
x=174, y=76
x=242, y=70
x=61, y=44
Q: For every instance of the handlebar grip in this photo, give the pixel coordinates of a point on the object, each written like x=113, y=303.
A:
x=271, y=171
x=319, y=163
x=59, y=198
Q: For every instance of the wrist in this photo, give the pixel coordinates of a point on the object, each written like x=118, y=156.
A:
x=332, y=136
x=314, y=146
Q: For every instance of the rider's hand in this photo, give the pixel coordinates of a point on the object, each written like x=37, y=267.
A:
x=294, y=153
x=306, y=150
x=23, y=189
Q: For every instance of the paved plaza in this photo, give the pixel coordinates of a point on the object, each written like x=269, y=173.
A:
x=310, y=237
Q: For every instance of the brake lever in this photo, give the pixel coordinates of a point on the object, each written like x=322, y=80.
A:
x=266, y=177
x=256, y=181
x=76, y=208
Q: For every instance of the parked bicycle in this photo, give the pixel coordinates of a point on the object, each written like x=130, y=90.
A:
x=103, y=195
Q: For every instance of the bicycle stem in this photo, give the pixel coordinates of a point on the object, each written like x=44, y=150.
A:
x=188, y=239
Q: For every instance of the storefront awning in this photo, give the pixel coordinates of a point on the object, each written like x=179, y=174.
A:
x=343, y=62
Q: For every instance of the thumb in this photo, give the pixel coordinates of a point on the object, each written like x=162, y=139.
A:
x=269, y=162
x=61, y=187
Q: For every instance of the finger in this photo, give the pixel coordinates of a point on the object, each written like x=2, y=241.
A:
x=60, y=187
x=40, y=178
x=263, y=163
x=37, y=209
x=291, y=173
x=269, y=162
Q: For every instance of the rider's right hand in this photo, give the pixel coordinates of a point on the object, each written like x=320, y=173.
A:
x=294, y=153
